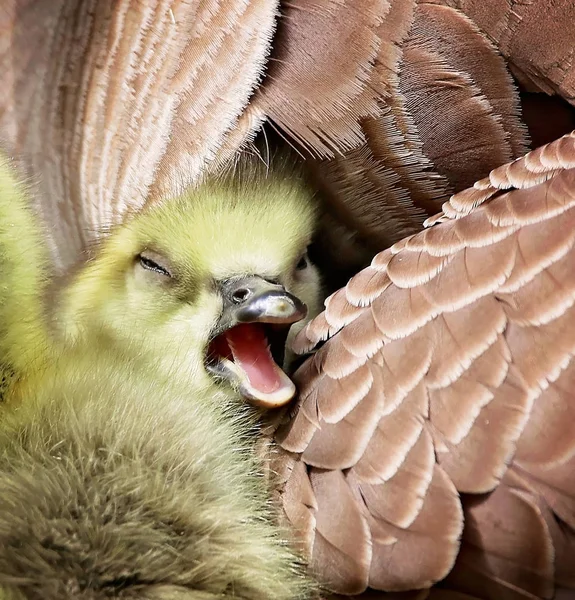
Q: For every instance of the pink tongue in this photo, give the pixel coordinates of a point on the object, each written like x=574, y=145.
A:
x=249, y=346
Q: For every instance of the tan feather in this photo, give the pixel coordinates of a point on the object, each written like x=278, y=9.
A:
x=438, y=77
x=464, y=338
x=313, y=91
x=445, y=112
x=460, y=42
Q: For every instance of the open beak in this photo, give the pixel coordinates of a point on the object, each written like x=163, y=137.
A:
x=250, y=336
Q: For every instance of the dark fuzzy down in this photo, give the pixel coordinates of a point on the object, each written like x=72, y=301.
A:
x=114, y=486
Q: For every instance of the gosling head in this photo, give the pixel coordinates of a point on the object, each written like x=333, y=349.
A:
x=209, y=285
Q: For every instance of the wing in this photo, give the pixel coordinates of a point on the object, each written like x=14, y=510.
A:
x=449, y=373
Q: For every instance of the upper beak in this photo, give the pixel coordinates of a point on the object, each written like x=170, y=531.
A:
x=254, y=300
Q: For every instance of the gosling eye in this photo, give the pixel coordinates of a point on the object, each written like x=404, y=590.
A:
x=152, y=264
x=303, y=263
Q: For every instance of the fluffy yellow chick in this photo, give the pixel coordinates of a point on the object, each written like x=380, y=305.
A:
x=127, y=467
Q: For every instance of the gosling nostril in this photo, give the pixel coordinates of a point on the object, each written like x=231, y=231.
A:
x=241, y=295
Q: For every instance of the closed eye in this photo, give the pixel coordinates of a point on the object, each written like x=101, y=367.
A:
x=151, y=265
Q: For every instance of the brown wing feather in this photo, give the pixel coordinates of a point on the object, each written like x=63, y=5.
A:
x=450, y=33
x=451, y=358
x=314, y=91
x=450, y=69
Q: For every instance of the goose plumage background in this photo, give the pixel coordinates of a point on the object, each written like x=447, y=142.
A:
x=442, y=406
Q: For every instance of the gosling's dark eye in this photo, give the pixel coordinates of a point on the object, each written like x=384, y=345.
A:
x=151, y=265
x=302, y=264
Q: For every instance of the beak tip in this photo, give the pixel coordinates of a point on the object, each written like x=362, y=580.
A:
x=288, y=309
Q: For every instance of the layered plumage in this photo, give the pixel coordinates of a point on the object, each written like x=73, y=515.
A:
x=433, y=435
x=417, y=103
